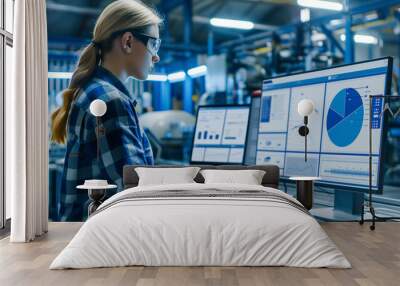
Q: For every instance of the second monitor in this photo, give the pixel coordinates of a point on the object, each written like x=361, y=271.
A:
x=220, y=134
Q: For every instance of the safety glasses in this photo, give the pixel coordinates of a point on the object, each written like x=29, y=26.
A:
x=151, y=43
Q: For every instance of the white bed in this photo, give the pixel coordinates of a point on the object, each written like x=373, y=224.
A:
x=185, y=230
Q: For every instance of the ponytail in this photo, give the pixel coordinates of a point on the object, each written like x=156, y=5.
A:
x=86, y=66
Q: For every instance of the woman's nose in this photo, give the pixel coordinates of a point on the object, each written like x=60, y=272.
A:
x=155, y=59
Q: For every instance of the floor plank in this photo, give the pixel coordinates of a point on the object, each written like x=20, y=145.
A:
x=375, y=257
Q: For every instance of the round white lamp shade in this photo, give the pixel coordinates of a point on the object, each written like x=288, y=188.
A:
x=305, y=107
x=98, y=107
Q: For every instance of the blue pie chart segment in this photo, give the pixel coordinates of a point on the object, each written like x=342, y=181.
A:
x=345, y=117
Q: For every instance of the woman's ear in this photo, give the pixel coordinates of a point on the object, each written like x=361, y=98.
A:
x=127, y=42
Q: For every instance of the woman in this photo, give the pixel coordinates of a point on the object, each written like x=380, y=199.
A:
x=125, y=43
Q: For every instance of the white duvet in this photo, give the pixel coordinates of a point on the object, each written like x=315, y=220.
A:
x=200, y=231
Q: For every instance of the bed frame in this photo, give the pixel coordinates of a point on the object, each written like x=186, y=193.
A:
x=270, y=179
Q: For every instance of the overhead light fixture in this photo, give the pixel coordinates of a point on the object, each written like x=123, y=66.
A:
x=232, y=24
x=262, y=50
x=372, y=16
x=317, y=37
x=362, y=39
x=336, y=22
x=305, y=15
x=319, y=4
x=176, y=76
x=366, y=39
x=157, y=77
x=285, y=53
x=60, y=75
x=197, y=71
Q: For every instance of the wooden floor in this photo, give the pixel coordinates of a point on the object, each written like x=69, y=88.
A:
x=375, y=257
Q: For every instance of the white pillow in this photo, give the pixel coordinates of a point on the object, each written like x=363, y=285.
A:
x=165, y=176
x=248, y=177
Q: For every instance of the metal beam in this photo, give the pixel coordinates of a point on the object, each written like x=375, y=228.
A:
x=274, y=2
x=349, y=51
x=210, y=43
x=187, y=35
x=79, y=43
x=373, y=6
x=332, y=38
x=187, y=94
x=168, y=6
x=243, y=40
x=188, y=21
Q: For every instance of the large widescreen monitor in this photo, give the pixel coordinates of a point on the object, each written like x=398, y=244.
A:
x=220, y=134
x=338, y=142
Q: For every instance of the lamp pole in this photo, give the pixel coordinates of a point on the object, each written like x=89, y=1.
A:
x=98, y=108
x=305, y=107
x=305, y=137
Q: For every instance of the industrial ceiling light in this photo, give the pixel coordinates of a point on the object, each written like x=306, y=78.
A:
x=198, y=71
x=317, y=37
x=232, y=24
x=157, y=77
x=176, y=76
x=60, y=75
x=366, y=39
x=305, y=15
x=362, y=39
x=319, y=4
x=336, y=22
x=372, y=16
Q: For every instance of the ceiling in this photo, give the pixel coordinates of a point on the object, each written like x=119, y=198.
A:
x=71, y=21
x=76, y=18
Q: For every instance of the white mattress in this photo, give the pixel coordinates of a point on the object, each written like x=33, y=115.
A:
x=200, y=231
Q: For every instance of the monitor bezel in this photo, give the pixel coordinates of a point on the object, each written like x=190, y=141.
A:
x=388, y=88
x=194, y=133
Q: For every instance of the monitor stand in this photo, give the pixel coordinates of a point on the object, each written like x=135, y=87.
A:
x=349, y=202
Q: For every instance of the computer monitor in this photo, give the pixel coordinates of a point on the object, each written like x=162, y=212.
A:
x=338, y=142
x=220, y=134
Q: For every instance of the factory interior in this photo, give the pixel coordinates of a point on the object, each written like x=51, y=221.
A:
x=204, y=62
x=138, y=137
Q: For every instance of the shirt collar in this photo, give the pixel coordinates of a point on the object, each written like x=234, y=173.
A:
x=108, y=76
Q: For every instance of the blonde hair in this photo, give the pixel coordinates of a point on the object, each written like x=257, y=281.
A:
x=118, y=16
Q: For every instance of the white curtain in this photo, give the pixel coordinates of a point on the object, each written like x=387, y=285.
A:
x=27, y=124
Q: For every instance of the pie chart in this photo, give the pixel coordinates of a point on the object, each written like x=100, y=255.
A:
x=345, y=117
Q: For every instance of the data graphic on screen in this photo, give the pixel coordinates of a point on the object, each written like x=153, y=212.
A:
x=345, y=117
x=338, y=149
x=220, y=134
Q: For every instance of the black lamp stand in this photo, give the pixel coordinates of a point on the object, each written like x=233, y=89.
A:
x=303, y=131
x=99, y=131
x=369, y=204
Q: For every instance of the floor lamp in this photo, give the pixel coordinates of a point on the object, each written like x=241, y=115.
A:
x=96, y=187
x=98, y=108
x=376, y=113
x=305, y=108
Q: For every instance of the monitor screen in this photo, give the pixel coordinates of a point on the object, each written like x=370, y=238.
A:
x=220, y=134
x=338, y=139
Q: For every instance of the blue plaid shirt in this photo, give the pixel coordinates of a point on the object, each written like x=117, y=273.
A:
x=122, y=142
